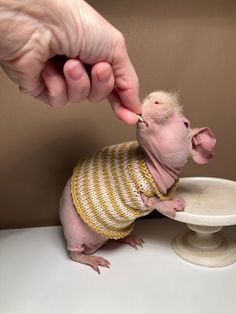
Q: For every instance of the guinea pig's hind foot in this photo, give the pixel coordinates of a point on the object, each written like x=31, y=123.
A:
x=133, y=240
x=91, y=260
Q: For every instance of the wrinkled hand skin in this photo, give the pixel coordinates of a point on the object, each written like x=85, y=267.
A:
x=168, y=142
x=34, y=32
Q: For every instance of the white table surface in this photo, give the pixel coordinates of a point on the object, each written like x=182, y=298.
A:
x=37, y=277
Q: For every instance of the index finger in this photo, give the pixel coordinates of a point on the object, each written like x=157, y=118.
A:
x=126, y=79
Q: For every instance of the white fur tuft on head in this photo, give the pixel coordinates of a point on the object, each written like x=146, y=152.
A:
x=165, y=104
x=169, y=98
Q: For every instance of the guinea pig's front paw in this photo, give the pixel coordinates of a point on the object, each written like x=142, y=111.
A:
x=169, y=208
x=180, y=202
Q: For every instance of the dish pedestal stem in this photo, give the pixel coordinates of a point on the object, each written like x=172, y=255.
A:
x=205, y=246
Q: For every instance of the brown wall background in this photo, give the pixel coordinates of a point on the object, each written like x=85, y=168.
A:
x=186, y=46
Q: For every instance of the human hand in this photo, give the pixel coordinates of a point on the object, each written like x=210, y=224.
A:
x=34, y=33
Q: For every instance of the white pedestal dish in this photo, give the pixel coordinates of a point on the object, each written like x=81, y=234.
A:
x=210, y=205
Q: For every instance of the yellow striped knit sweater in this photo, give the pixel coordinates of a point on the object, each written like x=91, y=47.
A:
x=106, y=188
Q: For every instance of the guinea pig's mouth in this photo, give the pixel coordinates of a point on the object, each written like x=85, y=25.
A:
x=141, y=120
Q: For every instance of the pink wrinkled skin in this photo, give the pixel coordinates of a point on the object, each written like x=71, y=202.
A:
x=167, y=141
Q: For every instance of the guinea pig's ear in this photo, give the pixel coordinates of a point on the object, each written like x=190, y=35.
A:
x=203, y=142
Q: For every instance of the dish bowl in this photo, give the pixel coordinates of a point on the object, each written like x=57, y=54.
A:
x=210, y=205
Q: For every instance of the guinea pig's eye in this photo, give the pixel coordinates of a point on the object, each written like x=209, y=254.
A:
x=157, y=102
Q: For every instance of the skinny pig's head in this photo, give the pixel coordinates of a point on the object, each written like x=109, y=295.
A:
x=166, y=136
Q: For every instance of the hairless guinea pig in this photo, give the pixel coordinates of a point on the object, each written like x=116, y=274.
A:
x=120, y=183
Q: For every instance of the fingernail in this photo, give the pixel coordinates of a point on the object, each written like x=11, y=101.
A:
x=75, y=71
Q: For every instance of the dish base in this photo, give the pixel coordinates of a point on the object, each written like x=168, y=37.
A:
x=205, y=246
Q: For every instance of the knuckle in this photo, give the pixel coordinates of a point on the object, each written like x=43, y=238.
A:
x=120, y=39
x=99, y=96
x=95, y=98
x=119, y=44
x=76, y=97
